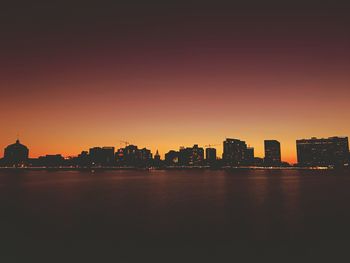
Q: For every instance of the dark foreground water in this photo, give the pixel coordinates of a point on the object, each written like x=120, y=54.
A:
x=174, y=216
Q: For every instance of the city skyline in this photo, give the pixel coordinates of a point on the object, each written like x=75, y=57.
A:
x=174, y=131
x=238, y=152
x=164, y=75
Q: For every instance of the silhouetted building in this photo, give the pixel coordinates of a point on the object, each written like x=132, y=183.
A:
x=134, y=157
x=249, y=156
x=183, y=156
x=55, y=160
x=272, y=153
x=16, y=154
x=119, y=157
x=145, y=157
x=95, y=155
x=172, y=158
x=191, y=156
x=234, y=152
x=157, y=156
x=258, y=161
x=102, y=156
x=131, y=156
x=108, y=156
x=157, y=162
x=83, y=159
x=210, y=156
x=71, y=161
x=323, y=152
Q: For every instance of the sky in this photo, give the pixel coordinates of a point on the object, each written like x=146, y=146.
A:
x=167, y=74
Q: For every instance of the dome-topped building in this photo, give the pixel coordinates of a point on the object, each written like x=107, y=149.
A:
x=16, y=154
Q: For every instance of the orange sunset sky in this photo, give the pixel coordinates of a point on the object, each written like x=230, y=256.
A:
x=172, y=76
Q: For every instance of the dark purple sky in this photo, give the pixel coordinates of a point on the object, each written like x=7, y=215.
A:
x=141, y=70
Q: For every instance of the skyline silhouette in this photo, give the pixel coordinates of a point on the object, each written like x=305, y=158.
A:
x=174, y=131
x=313, y=152
x=169, y=74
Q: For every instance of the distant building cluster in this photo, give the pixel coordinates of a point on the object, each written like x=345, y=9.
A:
x=330, y=152
x=323, y=152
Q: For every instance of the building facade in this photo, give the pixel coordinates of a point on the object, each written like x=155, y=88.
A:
x=157, y=156
x=51, y=160
x=16, y=154
x=234, y=152
x=272, y=153
x=104, y=156
x=210, y=156
x=333, y=151
x=146, y=157
x=172, y=158
x=191, y=156
x=132, y=156
x=249, y=156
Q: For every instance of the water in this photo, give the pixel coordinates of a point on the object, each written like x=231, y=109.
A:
x=172, y=216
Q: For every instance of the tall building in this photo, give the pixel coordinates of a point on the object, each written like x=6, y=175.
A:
x=83, y=159
x=157, y=156
x=131, y=155
x=272, y=153
x=108, y=156
x=323, y=152
x=191, y=156
x=102, y=156
x=210, y=155
x=172, y=158
x=234, y=152
x=16, y=154
x=145, y=157
x=119, y=157
x=157, y=162
x=249, y=156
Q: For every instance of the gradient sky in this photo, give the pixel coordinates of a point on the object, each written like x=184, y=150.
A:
x=163, y=75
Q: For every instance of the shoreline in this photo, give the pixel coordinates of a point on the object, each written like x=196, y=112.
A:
x=162, y=168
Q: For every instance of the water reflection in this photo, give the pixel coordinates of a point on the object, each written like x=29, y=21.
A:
x=176, y=208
